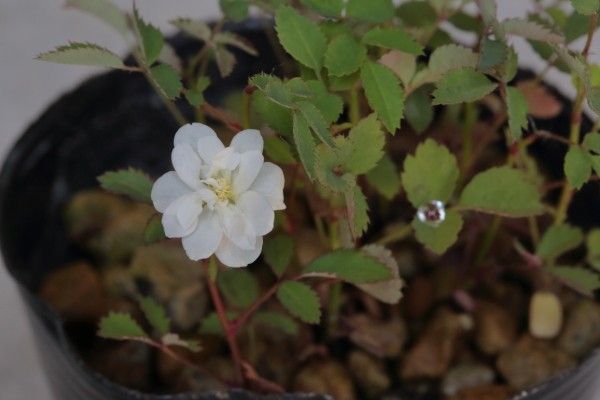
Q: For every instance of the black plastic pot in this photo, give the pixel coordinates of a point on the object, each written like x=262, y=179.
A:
x=113, y=121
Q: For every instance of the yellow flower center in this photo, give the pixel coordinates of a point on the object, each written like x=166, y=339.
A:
x=223, y=189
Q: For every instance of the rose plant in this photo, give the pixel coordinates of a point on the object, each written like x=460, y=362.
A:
x=354, y=72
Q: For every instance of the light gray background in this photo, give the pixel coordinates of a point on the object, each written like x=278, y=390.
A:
x=28, y=27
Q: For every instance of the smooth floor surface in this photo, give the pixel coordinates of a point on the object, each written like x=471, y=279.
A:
x=28, y=27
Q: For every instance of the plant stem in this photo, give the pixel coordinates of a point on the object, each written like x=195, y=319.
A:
x=488, y=240
x=576, y=117
x=467, y=134
x=236, y=355
x=396, y=235
x=169, y=105
x=246, y=104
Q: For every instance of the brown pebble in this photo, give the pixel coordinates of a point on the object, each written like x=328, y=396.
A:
x=581, y=333
x=419, y=297
x=532, y=361
x=495, y=328
x=430, y=357
x=75, y=292
x=325, y=377
x=126, y=363
x=369, y=373
x=380, y=338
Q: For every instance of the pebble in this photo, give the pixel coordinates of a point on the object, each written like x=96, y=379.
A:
x=431, y=355
x=369, y=373
x=466, y=376
x=545, y=315
x=325, y=377
x=495, y=327
x=532, y=361
x=380, y=338
x=75, y=292
x=126, y=363
x=581, y=333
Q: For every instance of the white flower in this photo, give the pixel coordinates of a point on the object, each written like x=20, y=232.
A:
x=219, y=200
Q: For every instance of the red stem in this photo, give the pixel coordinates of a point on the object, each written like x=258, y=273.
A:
x=227, y=328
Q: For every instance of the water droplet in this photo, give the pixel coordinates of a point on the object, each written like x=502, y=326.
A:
x=432, y=213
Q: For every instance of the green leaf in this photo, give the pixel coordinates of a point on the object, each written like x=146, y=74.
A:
x=156, y=315
x=278, y=251
x=462, y=85
x=211, y=325
x=173, y=339
x=330, y=105
x=330, y=168
x=576, y=26
x=300, y=301
x=392, y=38
x=417, y=13
x=517, y=112
x=503, y=191
x=276, y=320
x=358, y=210
x=450, y=57
x=129, y=182
x=300, y=37
x=578, y=166
x=316, y=121
x=390, y=290
x=430, y=174
x=238, y=286
x=592, y=142
x=83, y=54
x=167, y=79
x=104, y=10
x=385, y=178
x=154, y=231
x=593, y=248
x=350, y=266
x=384, y=94
x=195, y=95
x=225, y=61
x=492, y=53
x=239, y=42
x=279, y=93
x=418, y=110
x=327, y=8
x=586, y=7
x=580, y=279
x=120, y=326
x=404, y=65
x=344, y=55
x=557, y=240
x=596, y=163
x=374, y=11
x=150, y=39
x=531, y=30
x=439, y=238
x=275, y=116
x=305, y=145
x=235, y=10
x=364, y=146
x=279, y=151
x=194, y=27
x=466, y=22
x=593, y=98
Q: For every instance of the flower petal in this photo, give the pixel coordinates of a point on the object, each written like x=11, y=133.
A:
x=236, y=226
x=251, y=163
x=203, y=242
x=191, y=133
x=248, y=140
x=258, y=211
x=167, y=189
x=189, y=208
x=171, y=221
x=269, y=183
x=208, y=147
x=227, y=159
x=232, y=256
x=187, y=164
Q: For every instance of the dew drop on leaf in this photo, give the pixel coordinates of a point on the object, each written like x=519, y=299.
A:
x=432, y=213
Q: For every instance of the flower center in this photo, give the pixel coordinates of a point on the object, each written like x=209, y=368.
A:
x=222, y=186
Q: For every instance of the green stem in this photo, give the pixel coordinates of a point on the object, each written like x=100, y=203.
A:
x=396, y=235
x=467, y=135
x=488, y=240
x=576, y=117
x=246, y=104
